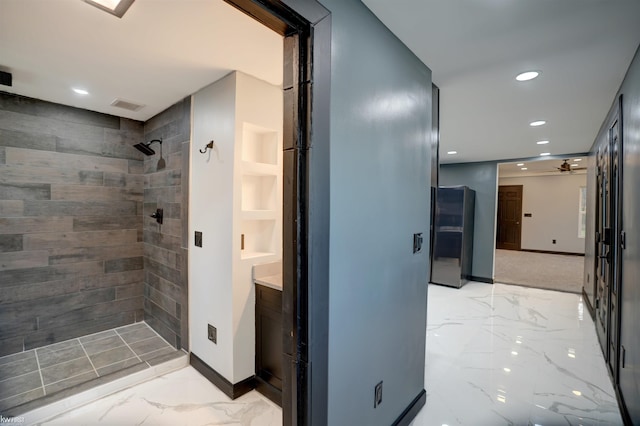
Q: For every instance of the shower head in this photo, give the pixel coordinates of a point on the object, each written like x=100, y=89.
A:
x=145, y=148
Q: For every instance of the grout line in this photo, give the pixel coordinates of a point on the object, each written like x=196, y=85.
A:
x=40, y=371
x=21, y=393
x=157, y=334
x=89, y=358
x=122, y=360
x=70, y=377
x=127, y=345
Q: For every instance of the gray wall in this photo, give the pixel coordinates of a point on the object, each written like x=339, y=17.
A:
x=165, y=252
x=70, y=223
x=380, y=178
x=482, y=178
x=630, y=289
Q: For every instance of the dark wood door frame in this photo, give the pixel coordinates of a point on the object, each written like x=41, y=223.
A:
x=515, y=219
x=306, y=27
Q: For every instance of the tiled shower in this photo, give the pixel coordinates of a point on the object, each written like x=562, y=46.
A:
x=80, y=258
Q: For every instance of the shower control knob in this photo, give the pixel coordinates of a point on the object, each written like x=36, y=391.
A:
x=157, y=215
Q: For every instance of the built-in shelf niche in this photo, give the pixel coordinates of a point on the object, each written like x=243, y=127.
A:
x=259, y=192
x=258, y=238
x=259, y=145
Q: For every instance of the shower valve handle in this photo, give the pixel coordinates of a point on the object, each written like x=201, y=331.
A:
x=157, y=215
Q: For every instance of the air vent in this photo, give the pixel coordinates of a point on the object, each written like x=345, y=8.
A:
x=128, y=105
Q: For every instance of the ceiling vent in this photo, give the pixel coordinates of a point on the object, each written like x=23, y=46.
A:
x=128, y=105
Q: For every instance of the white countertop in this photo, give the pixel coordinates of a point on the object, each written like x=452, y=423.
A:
x=273, y=281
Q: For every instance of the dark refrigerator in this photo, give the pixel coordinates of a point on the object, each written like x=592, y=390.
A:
x=452, y=254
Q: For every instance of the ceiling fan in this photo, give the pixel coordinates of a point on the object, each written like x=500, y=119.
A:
x=566, y=167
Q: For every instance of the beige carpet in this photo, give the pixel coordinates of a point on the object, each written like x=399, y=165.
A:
x=541, y=270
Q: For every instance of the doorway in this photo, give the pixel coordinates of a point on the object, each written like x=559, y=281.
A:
x=540, y=237
x=509, y=228
x=306, y=28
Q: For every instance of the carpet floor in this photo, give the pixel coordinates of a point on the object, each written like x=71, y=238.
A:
x=540, y=270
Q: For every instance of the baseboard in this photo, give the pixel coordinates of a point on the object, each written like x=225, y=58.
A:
x=232, y=390
x=268, y=390
x=587, y=303
x=553, y=252
x=412, y=410
x=481, y=279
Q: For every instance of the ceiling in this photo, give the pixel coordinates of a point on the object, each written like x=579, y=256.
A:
x=475, y=48
x=164, y=50
x=542, y=167
x=157, y=54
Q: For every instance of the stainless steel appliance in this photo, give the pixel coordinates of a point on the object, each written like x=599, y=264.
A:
x=452, y=254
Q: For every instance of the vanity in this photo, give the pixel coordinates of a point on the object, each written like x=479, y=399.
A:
x=268, y=285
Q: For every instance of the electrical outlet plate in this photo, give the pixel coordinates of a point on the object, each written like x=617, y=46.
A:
x=377, y=400
x=212, y=333
x=198, y=239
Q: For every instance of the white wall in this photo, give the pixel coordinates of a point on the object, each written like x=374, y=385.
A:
x=553, y=202
x=221, y=291
x=211, y=212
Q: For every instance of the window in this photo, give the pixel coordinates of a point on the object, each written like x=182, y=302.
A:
x=582, y=212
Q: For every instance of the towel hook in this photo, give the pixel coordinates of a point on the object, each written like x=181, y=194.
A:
x=207, y=146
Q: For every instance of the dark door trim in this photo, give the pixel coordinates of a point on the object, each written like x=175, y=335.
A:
x=306, y=27
x=500, y=242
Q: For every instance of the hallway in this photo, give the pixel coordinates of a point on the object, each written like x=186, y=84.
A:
x=496, y=355
x=511, y=355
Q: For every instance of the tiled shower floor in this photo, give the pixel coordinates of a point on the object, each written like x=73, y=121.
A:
x=66, y=368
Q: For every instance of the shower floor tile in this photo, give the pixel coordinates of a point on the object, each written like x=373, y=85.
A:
x=56, y=369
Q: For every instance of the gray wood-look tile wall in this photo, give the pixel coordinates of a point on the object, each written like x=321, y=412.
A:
x=165, y=246
x=71, y=223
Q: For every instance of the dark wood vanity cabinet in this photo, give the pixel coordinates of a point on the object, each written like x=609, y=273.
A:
x=269, y=343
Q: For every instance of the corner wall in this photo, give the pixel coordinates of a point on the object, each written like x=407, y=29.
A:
x=70, y=223
x=165, y=246
x=381, y=98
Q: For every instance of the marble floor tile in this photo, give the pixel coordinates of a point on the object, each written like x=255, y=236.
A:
x=496, y=355
x=509, y=355
x=183, y=397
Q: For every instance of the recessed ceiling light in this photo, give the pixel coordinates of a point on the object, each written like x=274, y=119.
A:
x=80, y=91
x=577, y=393
x=544, y=154
x=520, y=164
x=542, y=142
x=526, y=76
x=452, y=152
x=524, y=168
x=114, y=7
x=537, y=123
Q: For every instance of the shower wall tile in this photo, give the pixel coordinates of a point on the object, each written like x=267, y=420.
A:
x=165, y=284
x=71, y=187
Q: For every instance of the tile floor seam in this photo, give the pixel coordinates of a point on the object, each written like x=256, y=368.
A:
x=70, y=377
x=156, y=350
x=35, y=351
x=127, y=345
x=122, y=360
x=19, y=375
x=89, y=358
x=18, y=394
x=158, y=334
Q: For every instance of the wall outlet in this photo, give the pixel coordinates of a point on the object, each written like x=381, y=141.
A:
x=553, y=241
x=377, y=400
x=198, y=239
x=212, y=333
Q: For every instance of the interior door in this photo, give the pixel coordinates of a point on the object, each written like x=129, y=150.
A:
x=615, y=258
x=508, y=235
x=603, y=249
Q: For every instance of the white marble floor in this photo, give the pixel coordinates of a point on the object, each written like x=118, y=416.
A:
x=183, y=397
x=510, y=355
x=497, y=355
